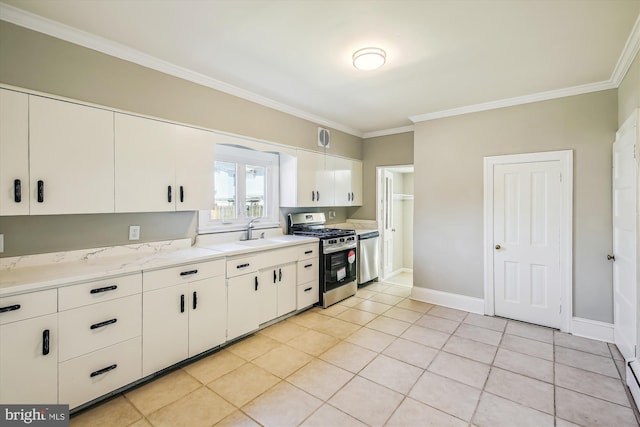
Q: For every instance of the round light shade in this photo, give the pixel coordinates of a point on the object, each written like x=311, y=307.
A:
x=369, y=58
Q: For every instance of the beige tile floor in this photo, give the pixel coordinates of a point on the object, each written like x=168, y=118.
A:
x=381, y=359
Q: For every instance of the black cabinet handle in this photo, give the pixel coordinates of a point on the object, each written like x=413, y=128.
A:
x=103, y=370
x=169, y=193
x=45, y=342
x=308, y=266
x=352, y=196
x=313, y=196
x=105, y=289
x=256, y=282
x=40, y=191
x=317, y=196
x=242, y=265
x=279, y=275
x=188, y=273
x=181, y=194
x=308, y=289
x=348, y=197
x=10, y=308
x=17, y=191
x=195, y=299
x=308, y=252
x=103, y=324
x=182, y=303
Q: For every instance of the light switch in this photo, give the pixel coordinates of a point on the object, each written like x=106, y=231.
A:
x=1, y=243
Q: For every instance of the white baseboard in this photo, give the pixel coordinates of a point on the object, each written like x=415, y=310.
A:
x=593, y=329
x=446, y=299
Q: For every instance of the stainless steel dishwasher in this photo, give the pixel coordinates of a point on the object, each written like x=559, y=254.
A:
x=368, y=256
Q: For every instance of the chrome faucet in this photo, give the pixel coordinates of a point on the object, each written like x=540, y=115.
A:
x=250, y=227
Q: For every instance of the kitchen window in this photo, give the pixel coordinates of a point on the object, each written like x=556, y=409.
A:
x=246, y=187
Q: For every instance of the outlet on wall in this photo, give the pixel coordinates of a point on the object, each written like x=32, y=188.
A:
x=134, y=232
x=332, y=214
x=1, y=243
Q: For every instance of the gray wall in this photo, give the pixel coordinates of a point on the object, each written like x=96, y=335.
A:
x=448, y=159
x=38, y=62
x=391, y=150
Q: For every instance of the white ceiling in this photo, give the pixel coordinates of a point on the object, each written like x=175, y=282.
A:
x=296, y=55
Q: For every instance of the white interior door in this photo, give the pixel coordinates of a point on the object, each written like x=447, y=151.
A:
x=624, y=241
x=387, y=229
x=527, y=208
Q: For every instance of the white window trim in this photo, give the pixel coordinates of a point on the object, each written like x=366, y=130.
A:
x=232, y=153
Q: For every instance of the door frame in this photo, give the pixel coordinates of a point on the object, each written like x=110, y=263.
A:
x=565, y=158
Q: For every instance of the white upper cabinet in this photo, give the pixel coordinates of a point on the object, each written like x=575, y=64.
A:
x=315, y=179
x=14, y=153
x=70, y=158
x=195, y=157
x=145, y=163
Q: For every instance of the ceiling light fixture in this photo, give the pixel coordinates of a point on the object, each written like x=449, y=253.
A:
x=369, y=58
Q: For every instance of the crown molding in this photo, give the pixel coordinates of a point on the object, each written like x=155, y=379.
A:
x=629, y=52
x=100, y=44
x=518, y=100
x=385, y=132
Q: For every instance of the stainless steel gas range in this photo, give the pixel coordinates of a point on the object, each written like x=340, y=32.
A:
x=338, y=269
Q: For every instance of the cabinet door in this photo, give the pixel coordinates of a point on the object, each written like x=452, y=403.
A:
x=195, y=159
x=70, y=158
x=207, y=314
x=268, y=294
x=144, y=164
x=356, y=183
x=315, y=180
x=165, y=327
x=242, y=308
x=28, y=365
x=342, y=180
x=287, y=288
x=14, y=153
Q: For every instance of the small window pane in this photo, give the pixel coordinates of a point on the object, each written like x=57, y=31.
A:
x=256, y=190
x=225, y=197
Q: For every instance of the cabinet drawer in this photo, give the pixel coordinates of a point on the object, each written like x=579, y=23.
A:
x=277, y=257
x=26, y=306
x=309, y=251
x=308, y=294
x=98, y=291
x=158, y=279
x=90, y=328
x=240, y=266
x=308, y=270
x=85, y=378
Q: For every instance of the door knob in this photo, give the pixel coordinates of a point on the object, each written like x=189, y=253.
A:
x=498, y=246
x=611, y=257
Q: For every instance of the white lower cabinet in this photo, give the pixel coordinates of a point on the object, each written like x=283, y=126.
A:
x=29, y=348
x=243, y=284
x=308, y=276
x=277, y=293
x=184, y=319
x=92, y=375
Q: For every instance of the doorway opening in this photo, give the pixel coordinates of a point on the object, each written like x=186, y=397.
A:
x=394, y=214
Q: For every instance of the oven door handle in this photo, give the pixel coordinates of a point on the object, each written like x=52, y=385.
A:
x=338, y=249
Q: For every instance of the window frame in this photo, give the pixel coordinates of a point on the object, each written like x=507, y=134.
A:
x=243, y=156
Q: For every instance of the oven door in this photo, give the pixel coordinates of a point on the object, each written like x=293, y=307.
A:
x=339, y=268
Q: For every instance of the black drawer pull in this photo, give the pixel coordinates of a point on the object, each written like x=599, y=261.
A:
x=45, y=342
x=242, y=265
x=308, y=266
x=188, y=273
x=308, y=289
x=103, y=370
x=182, y=303
x=279, y=275
x=308, y=252
x=9, y=308
x=103, y=324
x=256, y=281
x=195, y=299
x=105, y=289
x=17, y=191
x=40, y=191
x=181, y=194
x=169, y=194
